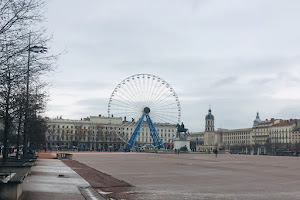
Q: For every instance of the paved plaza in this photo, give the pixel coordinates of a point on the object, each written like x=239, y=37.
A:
x=199, y=176
x=52, y=179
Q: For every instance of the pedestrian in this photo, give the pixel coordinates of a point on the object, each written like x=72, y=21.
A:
x=178, y=151
x=216, y=152
x=175, y=151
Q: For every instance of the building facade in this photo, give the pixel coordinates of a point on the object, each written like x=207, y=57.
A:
x=264, y=137
x=235, y=136
x=102, y=133
x=274, y=135
x=296, y=136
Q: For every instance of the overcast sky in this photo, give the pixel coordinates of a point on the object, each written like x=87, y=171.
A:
x=237, y=56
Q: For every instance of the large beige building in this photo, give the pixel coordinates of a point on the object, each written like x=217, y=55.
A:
x=273, y=135
x=264, y=136
x=260, y=132
x=281, y=130
x=102, y=133
x=234, y=136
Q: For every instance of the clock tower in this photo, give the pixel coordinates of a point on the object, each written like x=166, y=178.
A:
x=209, y=133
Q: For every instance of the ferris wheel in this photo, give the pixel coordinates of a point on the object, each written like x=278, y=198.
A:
x=144, y=97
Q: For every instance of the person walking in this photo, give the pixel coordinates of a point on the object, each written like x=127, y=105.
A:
x=216, y=152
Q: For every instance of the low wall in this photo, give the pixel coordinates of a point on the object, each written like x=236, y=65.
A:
x=11, y=185
x=10, y=191
x=67, y=156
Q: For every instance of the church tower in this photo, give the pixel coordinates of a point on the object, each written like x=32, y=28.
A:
x=209, y=134
x=209, y=122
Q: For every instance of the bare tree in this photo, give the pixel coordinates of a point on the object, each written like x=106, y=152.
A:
x=21, y=42
x=10, y=79
x=79, y=136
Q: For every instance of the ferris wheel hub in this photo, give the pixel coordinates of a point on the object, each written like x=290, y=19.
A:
x=146, y=110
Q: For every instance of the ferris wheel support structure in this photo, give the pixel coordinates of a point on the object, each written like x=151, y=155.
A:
x=156, y=139
x=154, y=133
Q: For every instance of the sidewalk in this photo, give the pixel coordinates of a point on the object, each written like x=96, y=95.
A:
x=52, y=179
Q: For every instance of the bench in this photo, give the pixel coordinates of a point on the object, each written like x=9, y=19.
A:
x=67, y=156
x=6, y=167
x=11, y=185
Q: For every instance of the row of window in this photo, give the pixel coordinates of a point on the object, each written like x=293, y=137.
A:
x=296, y=136
x=238, y=133
x=106, y=132
x=280, y=134
x=273, y=130
x=58, y=144
x=237, y=142
x=111, y=128
x=236, y=137
x=57, y=138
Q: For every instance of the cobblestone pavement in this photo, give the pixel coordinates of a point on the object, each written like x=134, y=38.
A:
x=199, y=176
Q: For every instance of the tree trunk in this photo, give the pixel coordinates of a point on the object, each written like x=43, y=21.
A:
x=19, y=130
x=6, y=118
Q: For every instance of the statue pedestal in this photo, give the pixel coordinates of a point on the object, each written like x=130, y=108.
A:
x=181, y=142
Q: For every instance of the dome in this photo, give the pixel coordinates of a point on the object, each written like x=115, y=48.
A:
x=257, y=120
x=209, y=115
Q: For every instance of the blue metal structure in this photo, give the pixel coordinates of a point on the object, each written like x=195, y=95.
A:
x=156, y=139
x=134, y=135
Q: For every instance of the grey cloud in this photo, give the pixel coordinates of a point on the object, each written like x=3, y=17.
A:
x=202, y=48
x=261, y=82
x=81, y=84
x=92, y=102
x=225, y=81
x=93, y=106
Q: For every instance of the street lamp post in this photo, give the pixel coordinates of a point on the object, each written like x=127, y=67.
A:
x=34, y=49
x=27, y=102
